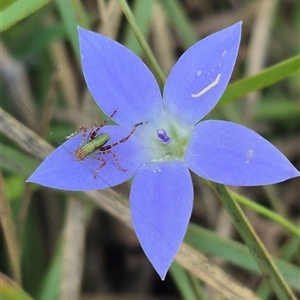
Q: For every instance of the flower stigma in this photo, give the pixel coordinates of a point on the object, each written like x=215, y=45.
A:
x=165, y=139
x=169, y=142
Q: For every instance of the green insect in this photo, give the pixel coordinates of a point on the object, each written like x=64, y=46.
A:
x=94, y=145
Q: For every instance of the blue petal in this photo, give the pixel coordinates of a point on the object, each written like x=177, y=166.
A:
x=161, y=202
x=61, y=170
x=232, y=154
x=201, y=75
x=118, y=79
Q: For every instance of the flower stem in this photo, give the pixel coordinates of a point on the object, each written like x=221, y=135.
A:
x=160, y=77
x=260, y=254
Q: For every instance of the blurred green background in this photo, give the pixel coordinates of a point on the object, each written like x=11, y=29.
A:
x=59, y=245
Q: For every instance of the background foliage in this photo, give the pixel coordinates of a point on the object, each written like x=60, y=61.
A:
x=57, y=245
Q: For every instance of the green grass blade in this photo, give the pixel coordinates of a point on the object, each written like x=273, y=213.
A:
x=51, y=282
x=266, y=213
x=261, y=80
x=19, y=10
x=6, y=3
x=180, y=21
x=182, y=282
x=15, y=161
x=72, y=14
x=255, y=246
x=209, y=242
x=10, y=290
x=287, y=252
x=142, y=12
x=160, y=77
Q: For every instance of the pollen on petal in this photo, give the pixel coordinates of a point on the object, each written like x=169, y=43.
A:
x=224, y=53
x=249, y=155
x=199, y=73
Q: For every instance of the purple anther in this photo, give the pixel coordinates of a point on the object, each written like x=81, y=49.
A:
x=164, y=138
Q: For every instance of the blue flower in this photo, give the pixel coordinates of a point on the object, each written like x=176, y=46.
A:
x=168, y=143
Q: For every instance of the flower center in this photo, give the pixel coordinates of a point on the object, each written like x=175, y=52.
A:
x=169, y=142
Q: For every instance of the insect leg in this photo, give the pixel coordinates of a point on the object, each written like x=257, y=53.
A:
x=96, y=128
x=107, y=119
x=123, y=140
x=103, y=160
x=82, y=129
x=93, y=131
x=115, y=159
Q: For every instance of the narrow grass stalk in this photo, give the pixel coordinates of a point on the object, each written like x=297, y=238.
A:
x=260, y=254
x=267, y=213
x=160, y=77
x=256, y=82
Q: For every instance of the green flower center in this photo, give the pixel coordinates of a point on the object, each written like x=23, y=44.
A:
x=169, y=142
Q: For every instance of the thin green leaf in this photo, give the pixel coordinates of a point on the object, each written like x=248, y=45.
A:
x=180, y=21
x=182, y=282
x=72, y=14
x=211, y=243
x=142, y=12
x=255, y=246
x=9, y=232
x=19, y=10
x=16, y=161
x=277, y=108
x=261, y=80
x=160, y=77
x=51, y=282
x=287, y=252
x=6, y=3
x=10, y=290
x=267, y=213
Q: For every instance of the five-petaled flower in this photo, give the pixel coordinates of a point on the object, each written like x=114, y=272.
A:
x=170, y=141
